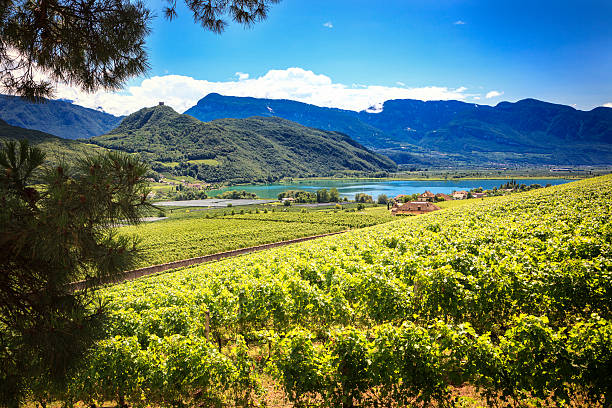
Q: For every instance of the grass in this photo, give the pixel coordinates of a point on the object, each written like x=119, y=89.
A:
x=169, y=165
x=208, y=162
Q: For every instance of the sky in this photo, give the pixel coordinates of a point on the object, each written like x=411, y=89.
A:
x=353, y=54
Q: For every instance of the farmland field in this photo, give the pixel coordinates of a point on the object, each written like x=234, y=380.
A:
x=507, y=297
x=187, y=234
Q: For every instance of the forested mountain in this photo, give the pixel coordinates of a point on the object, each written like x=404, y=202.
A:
x=214, y=106
x=529, y=131
x=56, y=117
x=448, y=132
x=238, y=150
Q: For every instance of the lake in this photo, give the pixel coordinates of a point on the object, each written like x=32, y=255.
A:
x=348, y=188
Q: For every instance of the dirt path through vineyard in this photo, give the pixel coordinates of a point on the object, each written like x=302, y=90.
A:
x=150, y=270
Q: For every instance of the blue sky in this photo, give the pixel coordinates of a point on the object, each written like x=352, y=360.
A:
x=557, y=51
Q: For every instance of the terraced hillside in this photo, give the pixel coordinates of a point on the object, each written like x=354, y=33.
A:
x=504, y=301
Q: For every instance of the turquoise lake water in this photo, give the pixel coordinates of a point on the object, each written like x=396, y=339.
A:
x=348, y=188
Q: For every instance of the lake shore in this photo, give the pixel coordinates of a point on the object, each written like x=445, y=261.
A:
x=376, y=186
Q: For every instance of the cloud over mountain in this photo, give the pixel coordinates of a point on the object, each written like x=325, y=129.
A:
x=182, y=92
x=493, y=94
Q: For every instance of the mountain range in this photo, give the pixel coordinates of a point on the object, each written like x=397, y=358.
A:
x=239, y=150
x=447, y=132
x=57, y=117
x=433, y=133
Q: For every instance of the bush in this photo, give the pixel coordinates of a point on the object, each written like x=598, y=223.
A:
x=236, y=195
x=299, y=196
x=300, y=368
x=363, y=198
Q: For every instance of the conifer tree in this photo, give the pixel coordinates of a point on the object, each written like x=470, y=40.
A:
x=93, y=44
x=59, y=232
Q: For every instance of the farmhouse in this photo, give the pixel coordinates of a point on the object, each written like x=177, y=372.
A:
x=479, y=195
x=426, y=196
x=445, y=197
x=460, y=195
x=196, y=186
x=414, y=208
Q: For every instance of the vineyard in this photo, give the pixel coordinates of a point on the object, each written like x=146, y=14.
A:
x=197, y=233
x=503, y=302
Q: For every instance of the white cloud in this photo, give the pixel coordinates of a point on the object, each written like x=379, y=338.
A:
x=608, y=105
x=182, y=92
x=242, y=76
x=493, y=94
x=400, y=83
x=328, y=24
x=459, y=22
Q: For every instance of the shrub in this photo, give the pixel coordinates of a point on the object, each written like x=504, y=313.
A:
x=382, y=199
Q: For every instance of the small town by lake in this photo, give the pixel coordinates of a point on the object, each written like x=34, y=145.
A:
x=349, y=187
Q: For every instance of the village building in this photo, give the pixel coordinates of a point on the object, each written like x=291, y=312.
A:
x=479, y=195
x=460, y=195
x=426, y=196
x=445, y=197
x=196, y=186
x=414, y=208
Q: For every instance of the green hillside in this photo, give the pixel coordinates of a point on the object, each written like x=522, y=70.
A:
x=55, y=147
x=502, y=302
x=238, y=150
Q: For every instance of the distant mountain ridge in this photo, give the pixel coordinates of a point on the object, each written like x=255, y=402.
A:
x=214, y=106
x=432, y=133
x=57, y=117
x=238, y=150
x=447, y=132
